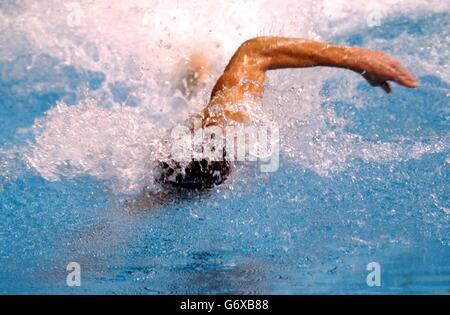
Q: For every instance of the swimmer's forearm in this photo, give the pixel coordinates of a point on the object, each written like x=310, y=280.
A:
x=329, y=55
x=279, y=52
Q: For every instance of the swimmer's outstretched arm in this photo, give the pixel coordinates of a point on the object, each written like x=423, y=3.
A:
x=245, y=73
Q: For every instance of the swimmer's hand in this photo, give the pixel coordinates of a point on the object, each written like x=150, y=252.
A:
x=378, y=69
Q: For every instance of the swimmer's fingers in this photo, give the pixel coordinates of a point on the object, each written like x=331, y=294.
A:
x=381, y=68
x=373, y=82
x=386, y=87
x=401, y=75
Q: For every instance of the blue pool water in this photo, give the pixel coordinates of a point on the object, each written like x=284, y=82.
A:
x=380, y=194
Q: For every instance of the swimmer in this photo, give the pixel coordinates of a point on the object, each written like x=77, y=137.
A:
x=244, y=76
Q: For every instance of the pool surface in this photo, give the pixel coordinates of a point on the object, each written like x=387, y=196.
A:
x=85, y=89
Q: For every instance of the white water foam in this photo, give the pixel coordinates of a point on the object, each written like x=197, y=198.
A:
x=86, y=139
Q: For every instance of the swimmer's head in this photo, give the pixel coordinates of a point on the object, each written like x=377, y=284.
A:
x=198, y=174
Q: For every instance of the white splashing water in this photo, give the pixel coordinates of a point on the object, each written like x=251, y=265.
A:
x=142, y=42
x=86, y=139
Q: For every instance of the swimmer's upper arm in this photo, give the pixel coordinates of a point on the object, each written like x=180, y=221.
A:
x=244, y=75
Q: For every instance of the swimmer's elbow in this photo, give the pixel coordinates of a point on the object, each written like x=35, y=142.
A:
x=258, y=45
x=268, y=52
x=252, y=53
x=255, y=41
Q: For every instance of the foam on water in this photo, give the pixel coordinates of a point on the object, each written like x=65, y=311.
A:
x=88, y=139
x=113, y=133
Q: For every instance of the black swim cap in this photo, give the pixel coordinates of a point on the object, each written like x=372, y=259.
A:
x=198, y=174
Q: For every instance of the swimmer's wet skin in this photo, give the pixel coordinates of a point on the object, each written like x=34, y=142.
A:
x=245, y=76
